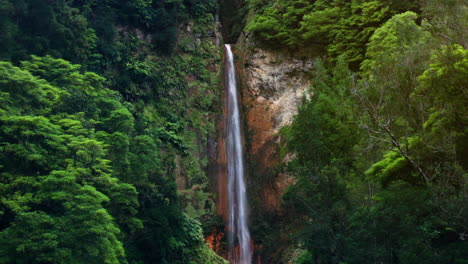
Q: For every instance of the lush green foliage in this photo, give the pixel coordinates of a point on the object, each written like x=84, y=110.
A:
x=341, y=27
x=381, y=153
x=88, y=161
x=80, y=31
x=57, y=185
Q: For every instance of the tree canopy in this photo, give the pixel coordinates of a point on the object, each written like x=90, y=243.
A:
x=379, y=153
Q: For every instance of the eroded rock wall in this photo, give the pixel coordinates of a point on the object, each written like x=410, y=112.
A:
x=274, y=84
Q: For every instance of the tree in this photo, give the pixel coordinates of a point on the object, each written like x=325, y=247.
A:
x=55, y=178
x=391, y=72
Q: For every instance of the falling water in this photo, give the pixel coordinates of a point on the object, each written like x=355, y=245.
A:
x=236, y=185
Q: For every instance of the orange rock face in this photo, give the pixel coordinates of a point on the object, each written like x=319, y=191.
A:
x=263, y=147
x=214, y=242
x=263, y=139
x=273, y=86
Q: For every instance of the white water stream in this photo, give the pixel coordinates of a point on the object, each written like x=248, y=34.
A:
x=236, y=185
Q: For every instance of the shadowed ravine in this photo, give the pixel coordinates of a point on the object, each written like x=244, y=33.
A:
x=238, y=225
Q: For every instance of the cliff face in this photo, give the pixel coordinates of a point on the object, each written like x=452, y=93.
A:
x=273, y=86
x=201, y=180
x=193, y=38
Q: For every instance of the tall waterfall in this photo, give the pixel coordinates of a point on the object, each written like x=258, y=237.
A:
x=236, y=185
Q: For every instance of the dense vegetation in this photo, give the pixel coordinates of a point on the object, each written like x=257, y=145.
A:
x=381, y=146
x=94, y=112
x=103, y=103
x=340, y=28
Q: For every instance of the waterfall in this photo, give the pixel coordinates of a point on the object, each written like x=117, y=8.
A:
x=238, y=226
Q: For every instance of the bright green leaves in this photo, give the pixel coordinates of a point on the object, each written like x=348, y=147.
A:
x=342, y=28
x=22, y=88
x=28, y=139
x=396, y=55
x=16, y=194
x=281, y=21
x=357, y=22
x=397, y=35
x=62, y=213
x=56, y=71
x=393, y=164
x=394, y=33
x=57, y=188
x=405, y=97
x=68, y=76
x=305, y=258
x=119, y=120
x=443, y=84
x=442, y=89
x=316, y=26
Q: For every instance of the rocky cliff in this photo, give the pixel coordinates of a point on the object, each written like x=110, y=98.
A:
x=274, y=83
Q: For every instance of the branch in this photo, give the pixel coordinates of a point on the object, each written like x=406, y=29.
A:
x=373, y=113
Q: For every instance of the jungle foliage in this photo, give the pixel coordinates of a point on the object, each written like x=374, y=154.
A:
x=380, y=151
x=94, y=110
x=339, y=27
